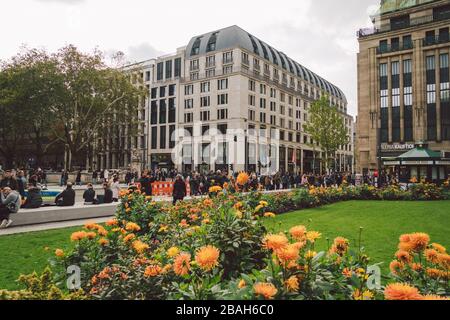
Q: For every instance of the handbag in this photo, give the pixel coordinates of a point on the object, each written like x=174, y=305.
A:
x=12, y=205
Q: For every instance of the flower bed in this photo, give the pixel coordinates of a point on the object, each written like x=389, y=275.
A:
x=218, y=248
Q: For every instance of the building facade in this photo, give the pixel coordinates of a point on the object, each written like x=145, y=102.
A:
x=230, y=101
x=403, y=84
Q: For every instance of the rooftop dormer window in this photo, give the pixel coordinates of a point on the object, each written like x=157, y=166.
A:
x=212, y=42
x=196, y=46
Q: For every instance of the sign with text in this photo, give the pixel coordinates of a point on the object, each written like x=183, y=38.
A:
x=393, y=147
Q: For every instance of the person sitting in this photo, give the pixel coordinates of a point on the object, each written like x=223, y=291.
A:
x=34, y=198
x=89, y=195
x=10, y=203
x=108, y=197
x=66, y=198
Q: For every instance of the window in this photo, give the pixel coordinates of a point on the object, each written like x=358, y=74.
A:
x=196, y=46
x=154, y=112
x=154, y=93
x=154, y=144
x=188, y=90
x=162, y=137
x=147, y=76
x=227, y=70
x=273, y=120
x=222, y=114
x=188, y=117
x=169, y=69
x=189, y=103
x=194, y=76
x=245, y=59
x=211, y=46
x=251, y=100
x=251, y=85
x=205, y=101
x=262, y=89
x=273, y=106
x=162, y=111
x=396, y=97
x=222, y=99
x=210, y=73
x=228, y=57
x=273, y=93
x=177, y=67
x=205, y=87
x=384, y=99
x=172, y=137
x=210, y=61
x=204, y=115
x=172, y=110
x=162, y=92
x=222, y=84
x=159, y=71
x=205, y=130
x=194, y=65
x=222, y=128
x=262, y=117
x=251, y=115
x=172, y=89
x=262, y=103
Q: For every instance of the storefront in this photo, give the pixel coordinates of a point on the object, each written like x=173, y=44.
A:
x=419, y=163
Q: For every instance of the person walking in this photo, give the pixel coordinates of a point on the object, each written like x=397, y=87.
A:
x=10, y=203
x=179, y=189
x=66, y=198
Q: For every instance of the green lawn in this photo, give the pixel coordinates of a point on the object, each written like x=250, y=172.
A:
x=383, y=223
x=28, y=252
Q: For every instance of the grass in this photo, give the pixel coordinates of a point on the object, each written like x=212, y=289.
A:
x=28, y=252
x=383, y=222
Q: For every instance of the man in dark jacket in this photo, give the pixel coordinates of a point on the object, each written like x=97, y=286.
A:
x=179, y=189
x=67, y=197
x=146, y=186
x=34, y=198
x=89, y=194
x=108, y=197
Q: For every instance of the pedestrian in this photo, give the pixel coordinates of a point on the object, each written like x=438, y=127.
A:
x=108, y=195
x=94, y=176
x=8, y=181
x=179, y=189
x=67, y=197
x=78, y=178
x=10, y=203
x=115, y=187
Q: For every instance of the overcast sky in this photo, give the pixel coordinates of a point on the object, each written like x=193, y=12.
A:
x=319, y=34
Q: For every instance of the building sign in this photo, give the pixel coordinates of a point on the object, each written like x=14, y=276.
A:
x=417, y=163
x=393, y=147
x=391, y=163
x=443, y=163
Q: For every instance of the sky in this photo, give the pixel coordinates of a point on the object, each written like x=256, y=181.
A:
x=319, y=34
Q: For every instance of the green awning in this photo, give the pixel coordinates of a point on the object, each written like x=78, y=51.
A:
x=420, y=154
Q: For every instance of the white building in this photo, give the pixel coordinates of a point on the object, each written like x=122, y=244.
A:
x=230, y=82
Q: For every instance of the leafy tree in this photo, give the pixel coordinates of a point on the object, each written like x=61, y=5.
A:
x=327, y=128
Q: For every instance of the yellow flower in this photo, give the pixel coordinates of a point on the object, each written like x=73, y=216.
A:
x=269, y=215
x=131, y=226
x=59, y=253
x=239, y=214
x=263, y=204
x=163, y=228
x=77, y=236
x=215, y=189
x=439, y=248
x=298, y=232
x=140, y=246
x=366, y=295
x=258, y=208
x=292, y=284
x=266, y=290
x=312, y=236
x=172, y=252
x=182, y=264
x=207, y=257
x=242, y=284
x=310, y=254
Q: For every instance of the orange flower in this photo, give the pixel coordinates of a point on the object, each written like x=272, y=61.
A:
x=103, y=242
x=242, y=178
x=242, y=284
x=401, y=291
x=275, y=241
x=91, y=226
x=419, y=241
x=77, y=236
x=59, y=253
x=431, y=255
x=207, y=257
x=416, y=266
x=444, y=260
x=403, y=256
x=435, y=297
x=435, y=273
x=292, y=284
x=182, y=264
x=238, y=206
x=340, y=246
x=298, y=232
x=267, y=290
x=347, y=273
x=131, y=226
x=439, y=248
x=140, y=246
x=312, y=236
x=396, y=266
x=183, y=223
x=269, y=215
x=91, y=235
x=129, y=237
x=288, y=254
x=207, y=202
x=152, y=271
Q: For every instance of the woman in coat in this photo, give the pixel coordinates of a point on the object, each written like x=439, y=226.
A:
x=179, y=189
